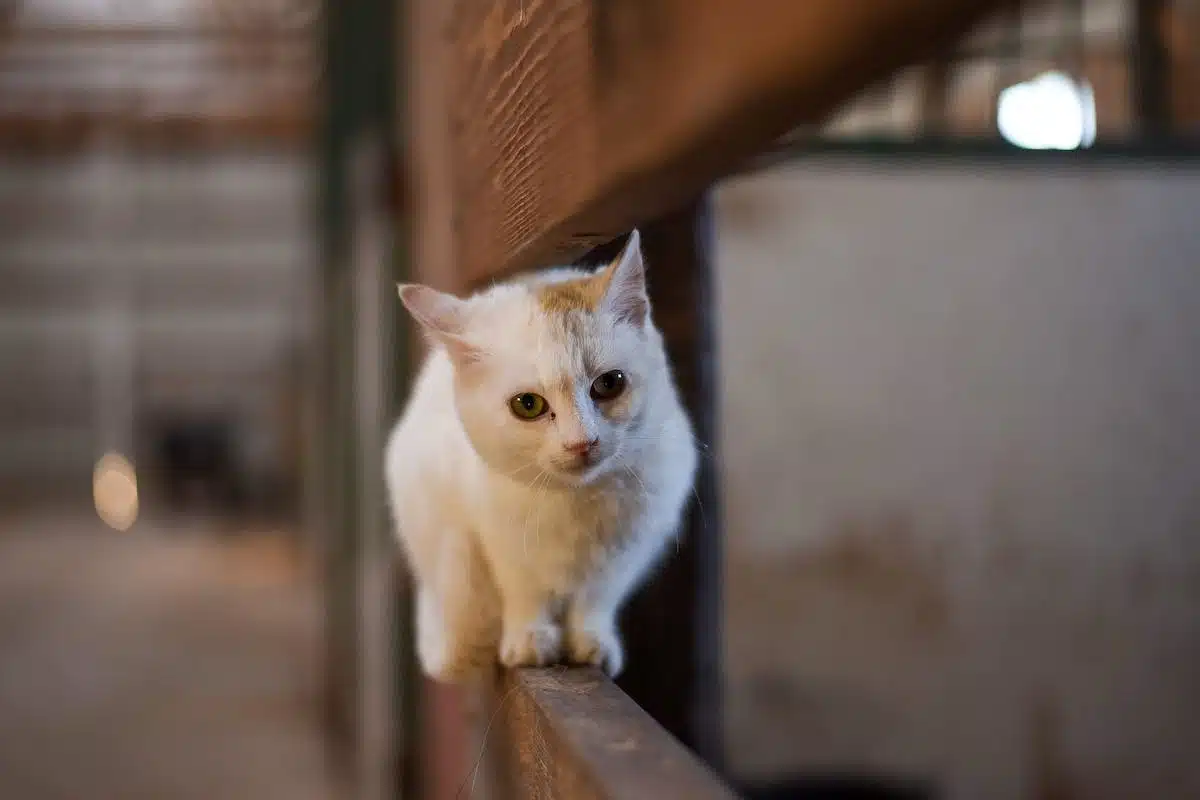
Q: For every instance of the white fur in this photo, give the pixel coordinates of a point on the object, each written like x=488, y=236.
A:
x=518, y=550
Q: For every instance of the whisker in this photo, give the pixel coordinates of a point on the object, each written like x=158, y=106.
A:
x=529, y=516
x=704, y=452
x=528, y=465
x=660, y=432
x=535, y=507
x=537, y=522
x=700, y=505
x=636, y=477
x=474, y=774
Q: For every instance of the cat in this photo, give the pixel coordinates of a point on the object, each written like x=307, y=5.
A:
x=540, y=468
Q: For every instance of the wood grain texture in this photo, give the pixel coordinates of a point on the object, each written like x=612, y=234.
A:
x=570, y=733
x=572, y=120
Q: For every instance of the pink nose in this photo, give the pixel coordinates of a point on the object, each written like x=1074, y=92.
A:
x=581, y=448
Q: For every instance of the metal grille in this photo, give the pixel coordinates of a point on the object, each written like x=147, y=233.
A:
x=171, y=70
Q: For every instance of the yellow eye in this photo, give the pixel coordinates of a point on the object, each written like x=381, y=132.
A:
x=528, y=405
x=608, y=385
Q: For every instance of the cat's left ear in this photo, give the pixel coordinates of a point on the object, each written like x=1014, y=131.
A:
x=625, y=293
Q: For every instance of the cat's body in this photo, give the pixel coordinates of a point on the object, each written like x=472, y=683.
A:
x=540, y=468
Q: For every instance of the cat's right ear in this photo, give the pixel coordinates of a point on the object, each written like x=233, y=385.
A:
x=442, y=316
x=625, y=283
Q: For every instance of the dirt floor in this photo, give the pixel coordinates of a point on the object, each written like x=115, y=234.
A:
x=164, y=664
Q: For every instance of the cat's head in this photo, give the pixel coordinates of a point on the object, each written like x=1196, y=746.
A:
x=553, y=374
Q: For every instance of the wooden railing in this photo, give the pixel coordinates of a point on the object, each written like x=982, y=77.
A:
x=570, y=121
x=571, y=733
x=544, y=128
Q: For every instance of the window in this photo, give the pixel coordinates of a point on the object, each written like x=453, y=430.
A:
x=1065, y=74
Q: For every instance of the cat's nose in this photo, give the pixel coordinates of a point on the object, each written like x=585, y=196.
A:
x=582, y=447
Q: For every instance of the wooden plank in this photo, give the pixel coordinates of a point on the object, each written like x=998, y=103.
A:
x=571, y=733
x=574, y=120
x=672, y=627
x=408, y=702
x=335, y=328
x=445, y=729
x=1151, y=70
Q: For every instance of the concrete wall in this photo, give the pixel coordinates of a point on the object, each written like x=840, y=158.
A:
x=962, y=460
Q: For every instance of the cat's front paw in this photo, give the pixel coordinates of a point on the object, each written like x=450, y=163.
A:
x=598, y=646
x=535, y=645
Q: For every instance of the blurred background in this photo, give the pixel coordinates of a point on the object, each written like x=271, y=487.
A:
x=160, y=612
x=958, y=328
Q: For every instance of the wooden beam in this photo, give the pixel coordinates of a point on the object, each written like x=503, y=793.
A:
x=445, y=727
x=1151, y=70
x=573, y=120
x=935, y=96
x=570, y=733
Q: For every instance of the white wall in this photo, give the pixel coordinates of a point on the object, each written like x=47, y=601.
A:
x=962, y=465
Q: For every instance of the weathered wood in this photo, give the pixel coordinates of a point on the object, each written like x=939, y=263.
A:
x=570, y=733
x=573, y=120
x=1151, y=70
x=445, y=730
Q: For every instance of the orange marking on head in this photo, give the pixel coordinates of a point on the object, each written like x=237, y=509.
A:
x=577, y=294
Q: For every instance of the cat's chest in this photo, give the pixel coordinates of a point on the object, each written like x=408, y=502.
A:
x=569, y=529
x=569, y=516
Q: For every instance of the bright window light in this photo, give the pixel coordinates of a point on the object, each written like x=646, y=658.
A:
x=1050, y=112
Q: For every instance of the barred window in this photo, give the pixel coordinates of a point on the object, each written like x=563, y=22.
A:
x=1065, y=74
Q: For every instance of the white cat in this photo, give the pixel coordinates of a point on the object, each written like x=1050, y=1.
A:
x=540, y=468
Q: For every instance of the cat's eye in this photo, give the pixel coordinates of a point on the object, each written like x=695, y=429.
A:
x=528, y=405
x=609, y=385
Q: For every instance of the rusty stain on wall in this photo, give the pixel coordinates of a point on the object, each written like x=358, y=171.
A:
x=1050, y=775
x=957, y=479
x=883, y=559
